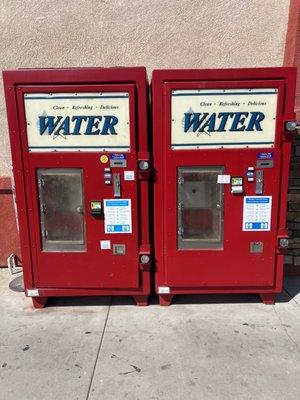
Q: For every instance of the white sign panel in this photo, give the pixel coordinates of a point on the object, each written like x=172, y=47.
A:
x=117, y=216
x=77, y=121
x=214, y=118
x=257, y=213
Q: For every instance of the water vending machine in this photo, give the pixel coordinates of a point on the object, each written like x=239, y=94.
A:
x=81, y=168
x=222, y=141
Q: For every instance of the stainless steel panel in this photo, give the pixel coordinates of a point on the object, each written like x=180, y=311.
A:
x=264, y=163
x=259, y=182
x=117, y=185
x=119, y=249
x=118, y=163
x=200, y=208
x=256, y=247
x=61, y=209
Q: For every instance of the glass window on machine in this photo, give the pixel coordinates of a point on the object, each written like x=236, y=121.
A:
x=200, y=208
x=61, y=209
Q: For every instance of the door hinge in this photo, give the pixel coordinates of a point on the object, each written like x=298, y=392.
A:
x=41, y=182
x=45, y=233
x=180, y=205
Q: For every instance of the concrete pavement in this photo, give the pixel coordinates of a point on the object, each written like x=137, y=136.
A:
x=201, y=347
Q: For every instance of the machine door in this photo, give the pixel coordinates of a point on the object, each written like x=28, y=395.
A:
x=82, y=185
x=222, y=173
x=200, y=216
x=61, y=209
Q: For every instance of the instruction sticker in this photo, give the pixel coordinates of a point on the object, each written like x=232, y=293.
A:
x=265, y=156
x=128, y=175
x=104, y=159
x=117, y=216
x=257, y=213
x=105, y=244
x=223, y=179
x=118, y=156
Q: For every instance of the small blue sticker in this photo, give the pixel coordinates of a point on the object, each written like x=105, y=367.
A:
x=256, y=226
x=265, y=156
x=118, y=156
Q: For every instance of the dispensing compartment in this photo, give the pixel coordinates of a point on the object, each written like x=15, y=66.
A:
x=61, y=209
x=200, y=208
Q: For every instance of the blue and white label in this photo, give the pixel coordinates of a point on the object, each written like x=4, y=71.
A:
x=265, y=156
x=117, y=216
x=118, y=156
x=257, y=213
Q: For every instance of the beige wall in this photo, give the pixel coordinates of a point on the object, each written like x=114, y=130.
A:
x=154, y=33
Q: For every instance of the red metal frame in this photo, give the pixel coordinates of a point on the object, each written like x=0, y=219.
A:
x=167, y=271
x=132, y=80
x=9, y=236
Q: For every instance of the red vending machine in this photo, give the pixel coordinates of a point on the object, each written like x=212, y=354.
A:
x=81, y=168
x=222, y=141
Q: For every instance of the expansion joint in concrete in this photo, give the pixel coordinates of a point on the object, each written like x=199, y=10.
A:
x=98, y=351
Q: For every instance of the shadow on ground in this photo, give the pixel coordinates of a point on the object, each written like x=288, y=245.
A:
x=290, y=291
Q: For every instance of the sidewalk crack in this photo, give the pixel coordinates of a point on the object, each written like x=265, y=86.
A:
x=98, y=351
x=284, y=328
x=291, y=296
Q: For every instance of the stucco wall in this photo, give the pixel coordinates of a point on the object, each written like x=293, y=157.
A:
x=154, y=33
